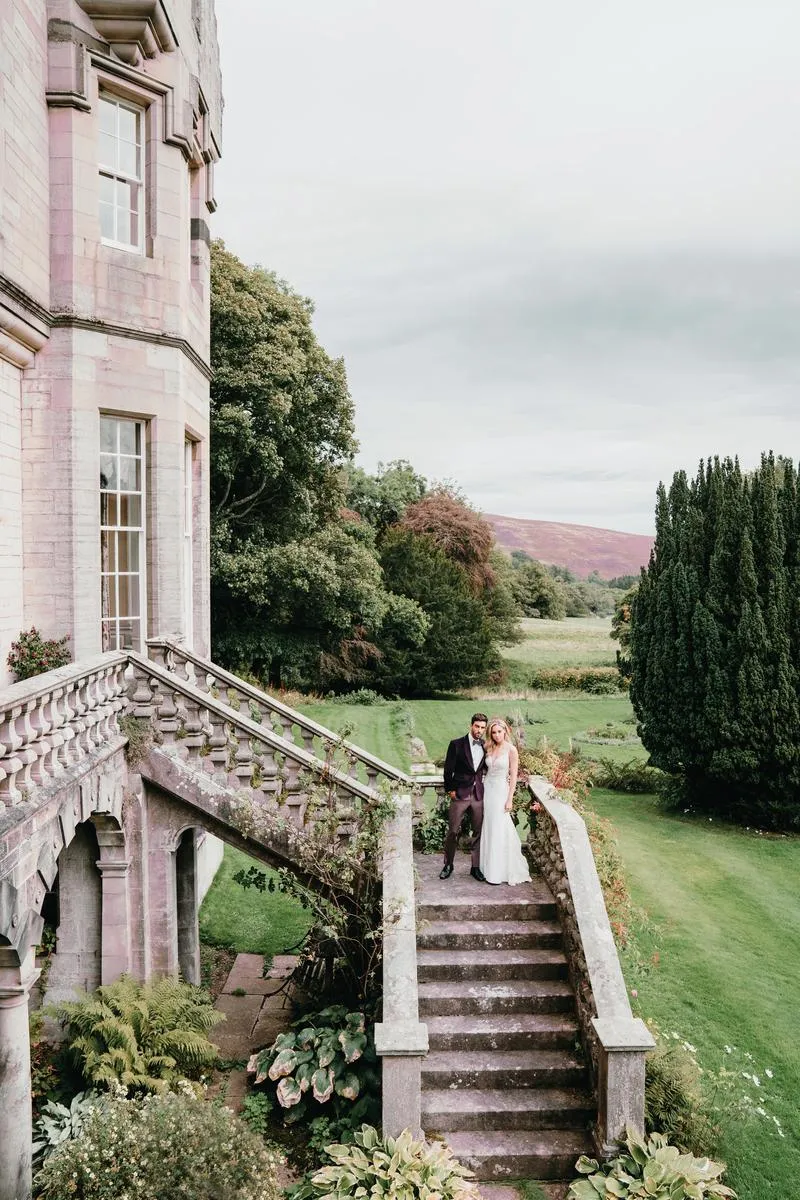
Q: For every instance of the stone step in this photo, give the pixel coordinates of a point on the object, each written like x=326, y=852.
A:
x=503, y=1031
x=517, y=1108
x=505, y=1069
x=452, y=997
x=488, y=935
x=490, y=965
x=519, y=1154
x=499, y=910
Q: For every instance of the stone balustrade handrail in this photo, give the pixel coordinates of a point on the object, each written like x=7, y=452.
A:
x=208, y=675
x=54, y=720
x=223, y=742
x=616, y=1040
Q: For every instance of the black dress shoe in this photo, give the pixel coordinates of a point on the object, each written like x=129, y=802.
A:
x=478, y=874
x=446, y=871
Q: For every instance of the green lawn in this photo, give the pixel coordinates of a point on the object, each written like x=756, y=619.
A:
x=556, y=717
x=723, y=955
x=248, y=920
x=575, y=642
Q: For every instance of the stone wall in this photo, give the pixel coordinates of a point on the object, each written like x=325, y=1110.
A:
x=10, y=512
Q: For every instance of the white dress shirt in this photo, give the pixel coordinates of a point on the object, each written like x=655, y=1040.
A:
x=477, y=752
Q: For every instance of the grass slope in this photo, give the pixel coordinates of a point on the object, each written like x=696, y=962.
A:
x=558, y=718
x=575, y=642
x=249, y=921
x=724, y=909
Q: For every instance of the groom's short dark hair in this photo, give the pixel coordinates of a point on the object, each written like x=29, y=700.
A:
x=478, y=717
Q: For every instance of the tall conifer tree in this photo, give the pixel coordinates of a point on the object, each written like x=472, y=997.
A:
x=715, y=641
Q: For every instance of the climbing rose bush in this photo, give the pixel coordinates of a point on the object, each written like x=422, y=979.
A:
x=172, y=1146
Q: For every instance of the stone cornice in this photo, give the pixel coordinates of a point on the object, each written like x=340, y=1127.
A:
x=136, y=29
x=25, y=327
x=24, y=324
x=72, y=321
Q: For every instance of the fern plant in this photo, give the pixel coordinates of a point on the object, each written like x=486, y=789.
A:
x=143, y=1037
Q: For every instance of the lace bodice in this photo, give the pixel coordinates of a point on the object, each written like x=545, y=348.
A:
x=497, y=764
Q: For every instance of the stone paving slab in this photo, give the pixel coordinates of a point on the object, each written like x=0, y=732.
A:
x=461, y=888
x=246, y=973
x=232, y=1036
x=507, y=1191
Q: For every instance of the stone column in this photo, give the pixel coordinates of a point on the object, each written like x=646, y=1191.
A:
x=114, y=867
x=16, y=981
x=624, y=1042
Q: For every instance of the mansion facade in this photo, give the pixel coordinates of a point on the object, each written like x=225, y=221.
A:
x=110, y=115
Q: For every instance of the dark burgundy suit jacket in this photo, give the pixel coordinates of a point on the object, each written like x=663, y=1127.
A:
x=460, y=775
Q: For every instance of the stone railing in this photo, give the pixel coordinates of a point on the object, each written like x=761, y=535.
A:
x=246, y=758
x=279, y=718
x=400, y=1039
x=52, y=722
x=615, y=1040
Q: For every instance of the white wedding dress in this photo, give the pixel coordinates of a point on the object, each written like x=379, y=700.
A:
x=502, y=860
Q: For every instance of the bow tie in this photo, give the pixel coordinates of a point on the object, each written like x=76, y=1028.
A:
x=478, y=744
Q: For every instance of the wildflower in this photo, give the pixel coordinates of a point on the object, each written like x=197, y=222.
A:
x=768, y=1073
x=728, y=1050
x=634, y=993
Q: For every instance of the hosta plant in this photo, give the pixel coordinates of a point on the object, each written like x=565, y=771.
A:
x=393, y=1168
x=326, y=1057
x=651, y=1170
x=58, y=1123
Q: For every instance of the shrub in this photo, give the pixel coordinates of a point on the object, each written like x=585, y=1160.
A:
x=315, y=1065
x=170, y=1146
x=144, y=1037
x=362, y=695
x=393, y=1168
x=652, y=1170
x=31, y=654
x=256, y=1109
x=674, y=1102
x=633, y=776
x=597, y=681
x=430, y=832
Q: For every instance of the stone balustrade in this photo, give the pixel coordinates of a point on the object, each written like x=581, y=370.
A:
x=53, y=721
x=616, y=1041
x=401, y=1039
x=275, y=776
x=279, y=718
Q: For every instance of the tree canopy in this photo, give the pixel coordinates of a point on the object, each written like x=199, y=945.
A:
x=715, y=641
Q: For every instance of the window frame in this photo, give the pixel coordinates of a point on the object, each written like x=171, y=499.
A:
x=106, y=619
x=106, y=96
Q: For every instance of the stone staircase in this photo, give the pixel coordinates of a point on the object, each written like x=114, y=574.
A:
x=504, y=1082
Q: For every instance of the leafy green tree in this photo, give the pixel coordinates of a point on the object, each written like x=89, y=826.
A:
x=290, y=589
x=715, y=641
x=381, y=499
x=537, y=592
x=458, y=647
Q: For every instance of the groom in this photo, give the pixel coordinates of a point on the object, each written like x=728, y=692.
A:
x=463, y=782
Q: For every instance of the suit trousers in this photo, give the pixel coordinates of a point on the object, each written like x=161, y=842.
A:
x=455, y=816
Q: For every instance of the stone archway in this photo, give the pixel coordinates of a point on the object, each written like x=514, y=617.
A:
x=187, y=906
x=77, y=960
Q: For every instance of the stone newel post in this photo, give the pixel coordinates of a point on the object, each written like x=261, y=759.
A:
x=400, y=1039
x=16, y=981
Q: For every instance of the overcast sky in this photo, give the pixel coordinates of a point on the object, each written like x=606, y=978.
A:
x=557, y=244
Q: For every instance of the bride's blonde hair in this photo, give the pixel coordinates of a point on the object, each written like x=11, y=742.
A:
x=509, y=737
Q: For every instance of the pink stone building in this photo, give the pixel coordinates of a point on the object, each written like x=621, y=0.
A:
x=109, y=130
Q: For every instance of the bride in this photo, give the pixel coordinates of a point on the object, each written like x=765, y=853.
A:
x=502, y=860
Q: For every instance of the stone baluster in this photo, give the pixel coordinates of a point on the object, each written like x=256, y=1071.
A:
x=66, y=714
x=159, y=654
x=79, y=706
x=142, y=696
x=168, y=716
x=196, y=726
x=13, y=764
x=308, y=739
x=242, y=773
x=216, y=761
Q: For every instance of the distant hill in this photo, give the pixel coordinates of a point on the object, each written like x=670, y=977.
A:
x=582, y=548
